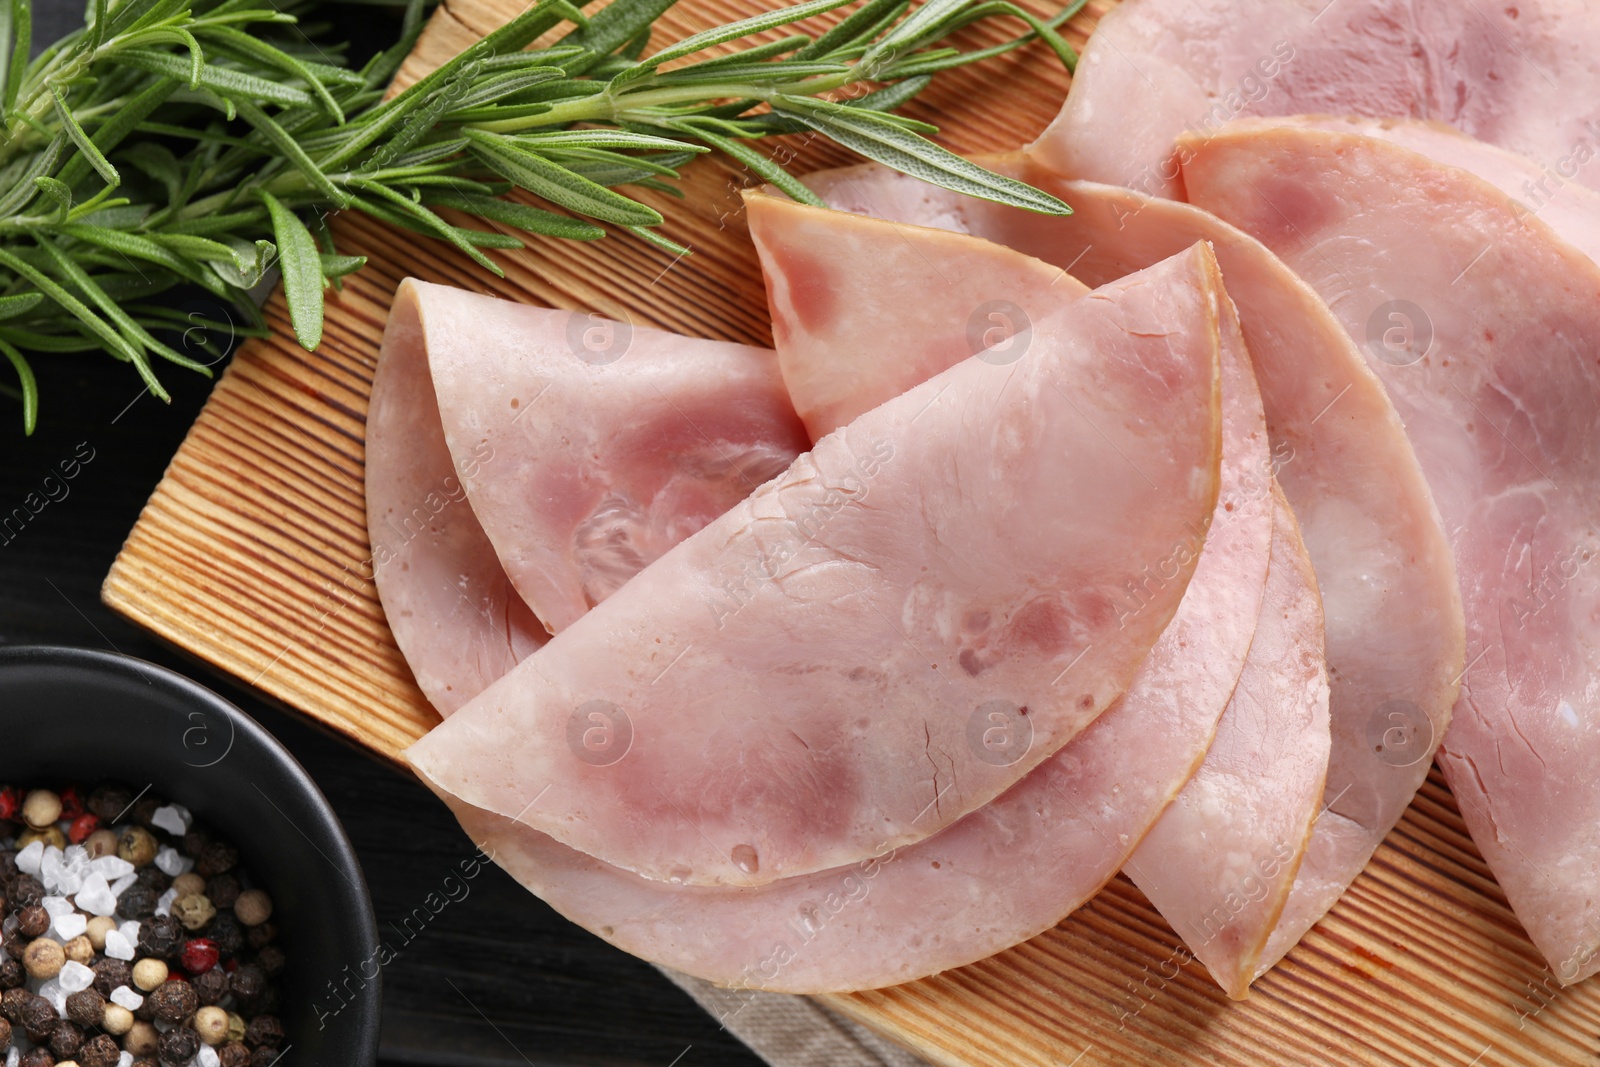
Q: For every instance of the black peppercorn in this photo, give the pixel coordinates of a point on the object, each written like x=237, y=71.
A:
x=223, y=890
x=261, y=935
x=11, y=974
x=66, y=1038
x=153, y=877
x=37, y=1057
x=100, y=1051
x=86, y=1008
x=11, y=1004
x=5, y=1033
x=144, y=809
x=272, y=960
x=37, y=1016
x=145, y=1012
x=264, y=1030
x=174, y=1001
x=110, y=973
x=264, y=1057
x=233, y=1054
x=248, y=982
x=216, y=858
x=24, y=891
x=144, y=1061
x=161, y=937
x=195, y=842
x=212, y=986
x=179, y=1045
x=33, y=921
x=109, y=801
x=228, y=933
x=8, y=864
x=137, y=902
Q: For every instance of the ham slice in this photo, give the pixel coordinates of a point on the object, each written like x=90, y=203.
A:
x=743, y=709
x=1481, y=322
x=1221, y=862
x=611, y=442
x=1018, y=865
x=1394, y=636
x=1521, y=75
x=454, y=614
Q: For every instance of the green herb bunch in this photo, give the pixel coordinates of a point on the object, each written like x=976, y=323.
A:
x=205, y=142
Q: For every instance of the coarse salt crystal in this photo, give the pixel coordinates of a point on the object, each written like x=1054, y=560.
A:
x=124, y=1060
x=29, y=858
x=170, y=861
x=130, y=930
x=207, y=1057
x=173, y=818
x=111, y=867
x=56, y=906
x=14, y=1057
x=164, y=905
x=118, y=947
x=123, y=883
x=70, y=926
x=75, y=977
x=125, y=996
x=53, y=992
x=76, y=854
x=51, y=866
x=96, y=897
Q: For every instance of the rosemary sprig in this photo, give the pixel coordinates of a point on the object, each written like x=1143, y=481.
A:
x=204, y=142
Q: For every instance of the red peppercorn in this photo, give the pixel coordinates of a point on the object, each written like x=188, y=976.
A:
x=71, y=802
x=199, y=955
x=82, y=826
x=10, y=802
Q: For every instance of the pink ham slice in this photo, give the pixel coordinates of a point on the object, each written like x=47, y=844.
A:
x=1521, y=75
x=1481, y=322
x=1203, y=864
x=1018, y=865
x=741, y=711
x=610, y=443
x=1384, y=569
x=454, y=614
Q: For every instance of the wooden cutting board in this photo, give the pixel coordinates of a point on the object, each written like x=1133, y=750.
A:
x=253, y=555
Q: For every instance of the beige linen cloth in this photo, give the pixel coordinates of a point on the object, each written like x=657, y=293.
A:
x=791, y=1031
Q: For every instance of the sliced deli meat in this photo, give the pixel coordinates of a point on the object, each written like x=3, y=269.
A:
x=610, y=442
x=1523, y=75
x=1221, y=861
x=454, y=614
x=839, y=286
x=752, y=705
x=1018, y=865
x=1394, y=630
x=1481, y=322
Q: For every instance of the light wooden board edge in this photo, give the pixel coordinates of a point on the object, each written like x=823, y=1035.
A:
x=252, y=555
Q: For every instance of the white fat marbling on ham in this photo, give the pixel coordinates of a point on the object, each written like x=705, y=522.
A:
x=1491, y=362
x=1523, y=75
x=776, y=668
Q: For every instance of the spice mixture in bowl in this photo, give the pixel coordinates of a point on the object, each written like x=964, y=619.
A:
x=174, y=890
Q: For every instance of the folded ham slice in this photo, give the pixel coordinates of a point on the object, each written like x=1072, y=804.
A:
x=1393, y=613
x=953, y=566
x=612, y=442
x=1221, y=862
x=1481, y=322
x=1018, y=865
x=454, y=614
x=1522, y=75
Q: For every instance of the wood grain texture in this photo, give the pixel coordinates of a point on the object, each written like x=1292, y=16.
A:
x=253, y=555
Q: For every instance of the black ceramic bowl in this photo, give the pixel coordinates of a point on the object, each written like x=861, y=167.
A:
x=74, y=715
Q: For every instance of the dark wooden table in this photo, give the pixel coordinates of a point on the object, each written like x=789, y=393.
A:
x=497, y=978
